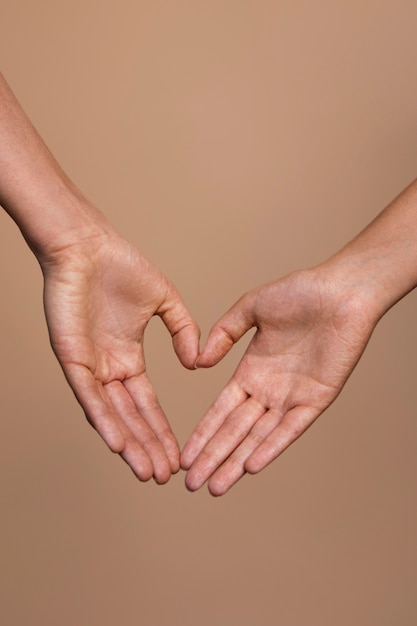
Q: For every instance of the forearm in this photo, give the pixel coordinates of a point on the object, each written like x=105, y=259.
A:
x=380, y=264
x=48, y=208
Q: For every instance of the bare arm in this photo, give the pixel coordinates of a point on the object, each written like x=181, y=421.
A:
x=99, y=295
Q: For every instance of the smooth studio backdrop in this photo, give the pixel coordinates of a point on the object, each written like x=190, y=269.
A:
x=232, y=141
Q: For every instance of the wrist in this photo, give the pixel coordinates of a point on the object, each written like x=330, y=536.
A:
x=380, y=264
x=352, y=286
x=59, y=221
x=378, y=275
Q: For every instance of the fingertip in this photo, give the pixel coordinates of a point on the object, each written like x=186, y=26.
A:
x=141, y=467
x=204, y=361
x=186, y=344
x=254, y=465
x=114, y=441
x=227, y=331
x=217, y=489
x=162, y=480
x=162, y=475
x=185, y=461
x=218, y=344
x=189, y=487
x=116, y=447
x=226, y=477
x=145, y=473
x=190, y=452
x=193, y=482
x=166, y=464
x=175, y=465
x=172, y=451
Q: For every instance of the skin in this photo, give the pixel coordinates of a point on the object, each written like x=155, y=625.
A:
x=311, y=329
x=99, y=293
x=98, y=301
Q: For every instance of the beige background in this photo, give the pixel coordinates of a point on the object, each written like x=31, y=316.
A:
x=232, y=141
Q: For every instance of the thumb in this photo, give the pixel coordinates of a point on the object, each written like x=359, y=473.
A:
x=183, y=328
x=227, y=331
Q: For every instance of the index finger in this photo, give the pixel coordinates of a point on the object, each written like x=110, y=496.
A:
x=227, y=401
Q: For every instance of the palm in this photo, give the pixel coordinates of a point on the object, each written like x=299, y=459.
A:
x=306, y=345
x=303, y=351
x=98, y=303
x=98, y=318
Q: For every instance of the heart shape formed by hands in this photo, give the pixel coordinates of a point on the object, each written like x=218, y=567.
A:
x=100, y=293
x=99, y=297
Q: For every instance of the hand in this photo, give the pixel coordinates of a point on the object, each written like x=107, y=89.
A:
x=99, y=297
x=310, y=334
